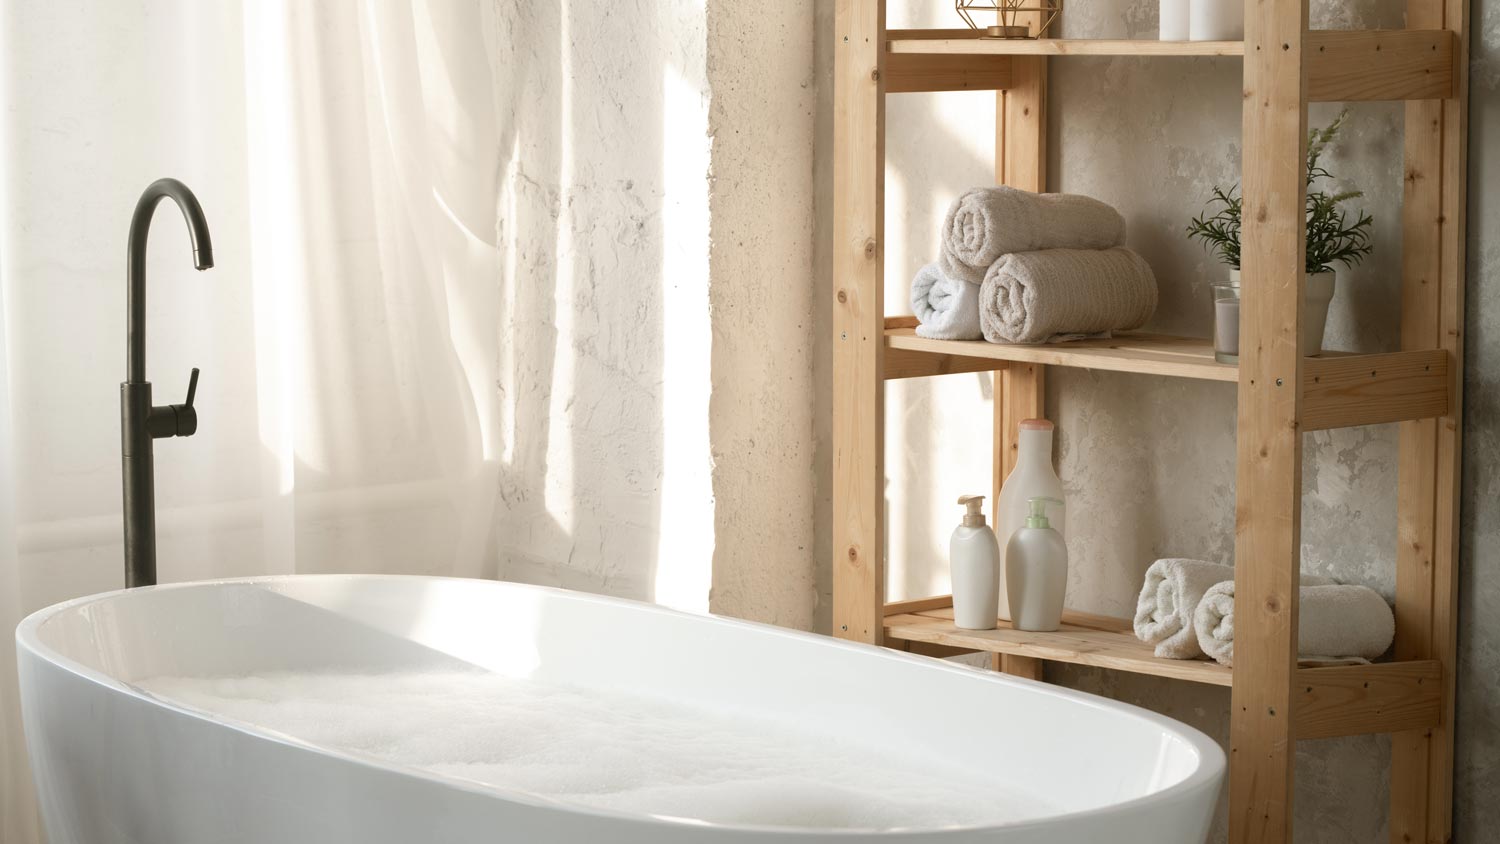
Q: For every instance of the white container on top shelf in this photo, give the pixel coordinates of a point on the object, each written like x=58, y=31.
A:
x=1216, y=20
x=1173, y=15
x=1033, y=477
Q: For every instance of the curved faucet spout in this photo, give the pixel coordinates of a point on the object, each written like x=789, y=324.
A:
x=135, y=272
x=140, y=420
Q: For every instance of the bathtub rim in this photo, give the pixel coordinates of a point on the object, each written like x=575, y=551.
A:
x=1211, y=765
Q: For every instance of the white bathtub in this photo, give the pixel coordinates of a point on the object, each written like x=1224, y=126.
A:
x=115, y=763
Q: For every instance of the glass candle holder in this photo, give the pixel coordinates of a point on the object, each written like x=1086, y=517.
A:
x=1226, y=321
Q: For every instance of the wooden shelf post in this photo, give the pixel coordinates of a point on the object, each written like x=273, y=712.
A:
x=1268, y=479
x=1429, y=459
x=1020, y=162
x=859, y=320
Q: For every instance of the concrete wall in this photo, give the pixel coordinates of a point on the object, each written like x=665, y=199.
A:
x=606, y=243
x=1150, y=461
x=656, y=209
x=760, y=262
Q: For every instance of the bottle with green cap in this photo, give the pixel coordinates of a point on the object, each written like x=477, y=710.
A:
x=1036, y=570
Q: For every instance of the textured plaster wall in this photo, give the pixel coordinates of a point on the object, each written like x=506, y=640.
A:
x=656, y=212
x=761, y=117
x=582, y=197
x=1149, y=462
x=604, y=198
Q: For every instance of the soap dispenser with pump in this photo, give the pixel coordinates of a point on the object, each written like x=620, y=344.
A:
x=974, y=557
x=1036, y=571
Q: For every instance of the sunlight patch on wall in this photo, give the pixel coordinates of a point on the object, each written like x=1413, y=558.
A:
x=275, y=228
x=558, y=492
x=896, y=479
x=506, y=351
x=684, y=565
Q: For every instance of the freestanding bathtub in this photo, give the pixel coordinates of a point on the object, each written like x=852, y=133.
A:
x=115, y=762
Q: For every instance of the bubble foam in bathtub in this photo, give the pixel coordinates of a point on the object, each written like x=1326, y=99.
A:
x=611, y=751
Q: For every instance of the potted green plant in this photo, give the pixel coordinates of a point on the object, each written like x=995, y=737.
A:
x=1331, y=239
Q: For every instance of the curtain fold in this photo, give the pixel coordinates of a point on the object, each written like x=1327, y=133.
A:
x=348, y=159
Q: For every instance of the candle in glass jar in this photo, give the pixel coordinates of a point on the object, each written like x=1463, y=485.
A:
x=1226, y=322
x=1216, y=20
x=1174, y=20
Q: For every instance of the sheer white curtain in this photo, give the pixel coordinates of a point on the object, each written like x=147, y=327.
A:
x=346, y=156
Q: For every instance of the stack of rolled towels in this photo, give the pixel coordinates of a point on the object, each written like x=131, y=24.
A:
x=1023, y=267
x=1186, y=609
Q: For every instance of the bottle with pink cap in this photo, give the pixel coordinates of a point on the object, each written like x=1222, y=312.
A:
x=1033, y=477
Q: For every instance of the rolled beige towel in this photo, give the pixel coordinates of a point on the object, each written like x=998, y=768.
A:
x=984, y=223
x=1030, y=297
x=1332, y=622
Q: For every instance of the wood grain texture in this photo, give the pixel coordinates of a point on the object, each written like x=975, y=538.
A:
x=946, y=42
x=902, y=363
x=1354, y=699
x=1340, y=392
x=1430, y=457
x=1021, y=126
x=1400, y=64
x=1392, y=64
x=907, y=73
x=1023, y=392
x=858, y=320
x=937, y=602
x=1268, y=480
x=1150, y=354
x=1020, y=666
x=1074, y=643
x=1020, y=390
x=928, y=649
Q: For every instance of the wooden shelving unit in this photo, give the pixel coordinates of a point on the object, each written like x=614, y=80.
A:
x=1281, y=393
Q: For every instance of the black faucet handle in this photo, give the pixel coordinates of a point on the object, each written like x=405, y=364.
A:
x=185, y=416
x=192, y=387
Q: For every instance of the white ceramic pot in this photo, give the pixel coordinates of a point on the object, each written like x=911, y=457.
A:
x=1317, y=293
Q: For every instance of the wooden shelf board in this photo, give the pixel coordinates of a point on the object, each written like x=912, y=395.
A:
x=1371, y=64
x=1333, y=699
x=964, y=42
x=1340, y=389
x=1083, y=640
x=1151, y=354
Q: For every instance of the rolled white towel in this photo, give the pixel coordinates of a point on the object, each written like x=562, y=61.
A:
x=1164, y=611
x=984, y=223
x=948, y=308
x=1029, y=297
x=1173, y=589
x=1332, y=622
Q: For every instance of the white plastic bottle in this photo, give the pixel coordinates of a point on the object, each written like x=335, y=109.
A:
x=1036, y=572
x=1032, y=477
x=974, y=560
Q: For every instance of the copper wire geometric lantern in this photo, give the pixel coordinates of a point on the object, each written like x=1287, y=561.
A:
x=1007, y=16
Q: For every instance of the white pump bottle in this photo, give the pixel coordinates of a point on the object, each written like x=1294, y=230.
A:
x=1033, y=476
x=974, y=557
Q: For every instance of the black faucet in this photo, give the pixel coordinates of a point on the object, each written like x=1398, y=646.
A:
x=140, y=423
